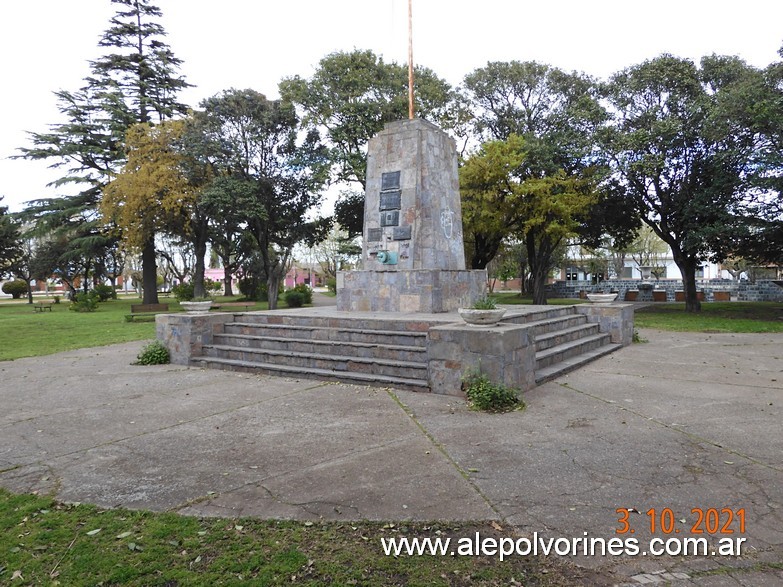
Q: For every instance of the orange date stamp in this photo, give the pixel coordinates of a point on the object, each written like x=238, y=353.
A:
x=663, y=521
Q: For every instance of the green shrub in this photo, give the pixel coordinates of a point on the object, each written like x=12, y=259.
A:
x=105, y=292
x=153, y=354
x=253, y=289
x=485, y=303
x=56, y=299
x=16, y=288
x=212, y=286
x=183, y=292
x=85, y=302
x=489, y=397
x=305, y=290
x=293, y=298
x=331, y=284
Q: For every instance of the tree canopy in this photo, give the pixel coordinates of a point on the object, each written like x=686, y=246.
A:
x=681, y=156
x=500, y=200
x=137, y=81
x=10, y=240
x=253, y=147
x=350, y=97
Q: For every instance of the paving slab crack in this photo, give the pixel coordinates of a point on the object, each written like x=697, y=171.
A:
x=442, y=449
x=675, y=428
x=260, y=481
x=171, y=426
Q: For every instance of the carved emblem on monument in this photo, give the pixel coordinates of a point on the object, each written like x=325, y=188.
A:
x=447, y=222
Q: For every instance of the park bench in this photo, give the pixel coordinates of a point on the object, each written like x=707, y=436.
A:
x=42, y=305
x=145, y=312
x=245, y=305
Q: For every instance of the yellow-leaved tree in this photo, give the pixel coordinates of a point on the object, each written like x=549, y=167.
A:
x=152, y=193
x=501, y=200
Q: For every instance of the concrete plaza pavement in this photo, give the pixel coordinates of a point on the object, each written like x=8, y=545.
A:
x=684, y=421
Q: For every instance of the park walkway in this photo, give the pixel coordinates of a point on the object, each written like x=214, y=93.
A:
x=684, y=421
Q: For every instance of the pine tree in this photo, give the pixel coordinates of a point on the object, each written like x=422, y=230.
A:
x=135, y=81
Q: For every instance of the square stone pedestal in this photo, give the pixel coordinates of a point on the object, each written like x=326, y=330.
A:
x=418, y=290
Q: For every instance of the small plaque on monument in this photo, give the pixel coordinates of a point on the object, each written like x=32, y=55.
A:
x=390, y=218
x=390, y=181
x=374, y=234
x=402, y=233
x=391, y=200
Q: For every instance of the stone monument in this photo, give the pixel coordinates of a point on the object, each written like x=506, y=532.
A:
x=413, y=255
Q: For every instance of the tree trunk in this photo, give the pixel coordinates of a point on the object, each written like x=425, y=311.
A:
x=86, y=283
x=484, y=250
x=687, y=266
x=149, y=272
x=272, y=287
x=538, y=280
x=29, y=292
x=227, y=289
x=199, y=291
x=538, y=260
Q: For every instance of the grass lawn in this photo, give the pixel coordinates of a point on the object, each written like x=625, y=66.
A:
x=714, y=317
x=43, y=542
x=26, y=333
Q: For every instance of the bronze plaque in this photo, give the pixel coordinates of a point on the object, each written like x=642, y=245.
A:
x=402, y=233
x=390, y=218
x=390, y=200
x=390, y=181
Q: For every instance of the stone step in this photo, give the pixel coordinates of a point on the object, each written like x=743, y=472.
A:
x=557, y=369
x=542, y=327
x=524, y=317
x=552, y=339
x=337, y=334
x=374, y=322
x=306, y=345
x=280, y=370
x=567, y=350
x=329, y=362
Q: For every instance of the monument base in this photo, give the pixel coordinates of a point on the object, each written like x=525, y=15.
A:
x=418, y=290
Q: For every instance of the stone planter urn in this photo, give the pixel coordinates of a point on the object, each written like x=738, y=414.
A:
x=602, y=297
x=476, y=317
x=197, y=307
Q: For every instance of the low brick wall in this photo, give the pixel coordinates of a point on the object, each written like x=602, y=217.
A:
x=761, y=291
x=185, y=334
x=616, y=319
x=506, y=353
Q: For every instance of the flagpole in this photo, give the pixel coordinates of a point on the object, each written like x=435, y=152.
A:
x=410, y=60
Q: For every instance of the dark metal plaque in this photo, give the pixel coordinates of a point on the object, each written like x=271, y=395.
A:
x=391, y=200
x=402, y=233
x=390, y=181
x=374, y=234
x=390, y=218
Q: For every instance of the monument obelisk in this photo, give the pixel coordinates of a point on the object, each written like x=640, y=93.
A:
x=412, y=254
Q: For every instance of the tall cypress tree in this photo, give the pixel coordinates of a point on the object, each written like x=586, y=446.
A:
x=136, y=80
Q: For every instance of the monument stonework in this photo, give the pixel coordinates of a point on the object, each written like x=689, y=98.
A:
x=392, y=325
x=412, y=255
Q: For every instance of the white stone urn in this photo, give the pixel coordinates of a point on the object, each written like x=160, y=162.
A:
x=476, y=317
x=197, y=307
x=602, y=297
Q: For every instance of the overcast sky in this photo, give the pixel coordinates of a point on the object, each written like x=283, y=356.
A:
x=46, y=45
